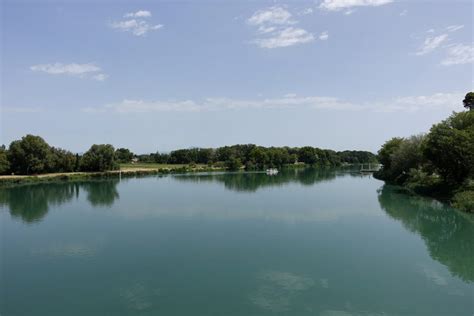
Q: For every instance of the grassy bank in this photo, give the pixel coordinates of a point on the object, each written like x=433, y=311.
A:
x=126, y=170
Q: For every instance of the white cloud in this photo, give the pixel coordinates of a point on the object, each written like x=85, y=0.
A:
x=431, y=43
x=453, y=28
x=138, y=14
x=448, y=101
x=140, y=106
x=79, y=70
x=414, y=103
x=459, y=54
x=337, y=5
x=324, y=36
x=286, y=37
x=72, y=69
x=404, y=13
x=137, y=25
x=273, y=15
x=274, y=28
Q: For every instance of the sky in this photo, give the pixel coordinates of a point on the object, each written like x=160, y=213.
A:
x=162, y=75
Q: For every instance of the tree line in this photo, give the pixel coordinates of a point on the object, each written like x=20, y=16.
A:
x=439, y=163
x=33, y=155
x=254, y=157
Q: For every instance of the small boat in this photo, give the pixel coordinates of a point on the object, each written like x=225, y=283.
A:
x=272, y=171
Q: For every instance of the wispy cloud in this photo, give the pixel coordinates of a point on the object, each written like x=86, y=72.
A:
x=456, y=54
x=324, y=36
x=459, y=54
x=431, y=43
x=273, y=15
x=137, y=25
x=286, y=37
x=453, y=28
x=89, y=70
x=138, y=14
x=448, y=101
x=404, y=13
x=337, y=5
x=274, y=28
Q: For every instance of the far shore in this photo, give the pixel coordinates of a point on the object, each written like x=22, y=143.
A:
x=125, y=170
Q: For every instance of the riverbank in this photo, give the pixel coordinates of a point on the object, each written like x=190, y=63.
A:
x=459, y=197
x=127, y=170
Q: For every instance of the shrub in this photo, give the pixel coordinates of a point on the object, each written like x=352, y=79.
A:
x=464, y=201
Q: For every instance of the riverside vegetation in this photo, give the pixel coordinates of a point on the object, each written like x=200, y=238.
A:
x=439, y=163
x=32, y=155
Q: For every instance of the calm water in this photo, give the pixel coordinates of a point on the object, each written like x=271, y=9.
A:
x=300, y=243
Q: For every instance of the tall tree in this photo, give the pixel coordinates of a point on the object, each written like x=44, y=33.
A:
x=449, y=147
x=4, y=164
x=99, y=158
x=123, y=155
x=29, y=155
x=469, y=101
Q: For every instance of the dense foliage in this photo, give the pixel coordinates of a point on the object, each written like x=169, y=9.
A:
x=254, y=157
x=32, y=155
x=438, y=163
x=99, y=158
x=123, y=155
x=4, y=163
x=469, y=101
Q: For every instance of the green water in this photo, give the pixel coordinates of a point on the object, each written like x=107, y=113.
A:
x=303, y=242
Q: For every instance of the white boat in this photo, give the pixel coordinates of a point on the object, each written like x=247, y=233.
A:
x=272, y=171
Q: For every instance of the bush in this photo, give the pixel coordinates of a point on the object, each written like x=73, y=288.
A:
x=99, y=158
x=464, y=201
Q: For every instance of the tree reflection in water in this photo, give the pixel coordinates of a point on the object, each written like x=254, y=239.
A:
x=31, y=203
x=447, y=233
x=252, y=181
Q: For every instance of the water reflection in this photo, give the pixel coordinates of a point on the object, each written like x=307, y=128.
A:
x=251, y=182
x=31, y=203
x=101, y=193
x=446, y=232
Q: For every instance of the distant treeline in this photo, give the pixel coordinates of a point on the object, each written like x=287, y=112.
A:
x=254, y=157
x=33, y=155
x=440, y=163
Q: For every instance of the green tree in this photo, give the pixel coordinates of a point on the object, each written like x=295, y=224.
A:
x=99, y=158
x=4, y=164
x=307, y=155
x=385, y=153
x=29, y=155
x=469, y=101
x=407, y=156
x=123, y=155
x=62, y=160
x=233, y=164
x=450, y=147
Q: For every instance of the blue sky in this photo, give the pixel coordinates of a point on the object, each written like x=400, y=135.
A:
x=161, y=75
